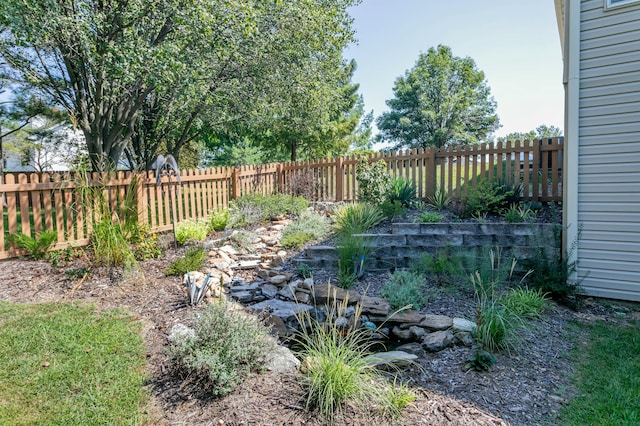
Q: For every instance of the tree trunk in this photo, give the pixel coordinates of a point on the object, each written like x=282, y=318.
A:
x=294, y=150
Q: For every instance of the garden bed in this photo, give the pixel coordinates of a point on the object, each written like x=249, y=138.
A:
x=525, y=387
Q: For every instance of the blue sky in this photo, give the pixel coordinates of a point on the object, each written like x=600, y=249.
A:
x=515, y=43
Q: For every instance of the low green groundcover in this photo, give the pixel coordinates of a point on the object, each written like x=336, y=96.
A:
x=69, y=364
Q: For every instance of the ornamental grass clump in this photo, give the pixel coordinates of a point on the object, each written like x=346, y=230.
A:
x=336, y=369
x=223, y=348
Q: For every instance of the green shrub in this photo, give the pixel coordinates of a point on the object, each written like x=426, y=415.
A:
x=525, y=302
x=144, y=243
x=374, y=181
x=196, y=230
x=552, y=274
x=193, y=260
x=403, y=191
x=480, y=360
x=405, y=288
x=430, y=217
x=517, y=213
x=62, y=257
x=448, y=266
x=391, y=209
x=225, y=347
x=36, y=247
x=243, y=241
x=308, y=222
x=304, y=270
x=256, y=208
x=486, y=196
x=218, y=220
x=356, y=218
x=296, y=240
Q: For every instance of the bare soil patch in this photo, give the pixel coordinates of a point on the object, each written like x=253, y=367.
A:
x=525, y=388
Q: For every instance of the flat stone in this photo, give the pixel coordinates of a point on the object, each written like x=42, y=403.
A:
x=402, y=334
x=327, y=293
x=229, y=250
x=248, y=264
x=437, y=341
x=414, y=348
x=418, y=332
x=288, y=292
x=436, y=322
x=224, y=256
x=406, y=318
x=244, y=287
x=463, y=338
x=283, y=309
x=303, y=297
x=375, y=306
x=391, y=357
x=461, y=324
x=243, y=296
x=278, y=327
x=278, y=279
x=269, y=290
x=281, y=360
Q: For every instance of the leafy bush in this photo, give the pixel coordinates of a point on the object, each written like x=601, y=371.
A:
x=59, y=258
x=525, y=302
x=551, y=273
x=448, y=266
x=480, y=360
x=405, y=288
x=296, y=240
x=256, y=208
x=36, y=247
x=218, y=220
x=243, y=241
x=430, y=217
x=356, y=218
x=304, y=270
x=191, y=230
x=518, y=213
x=193, y=260
x=403, y=191
x=486, y=196
x=336, y=369
x=144, y=243
x=225, y=347
x=391, y=209
x=374, y=181
x=308, y=222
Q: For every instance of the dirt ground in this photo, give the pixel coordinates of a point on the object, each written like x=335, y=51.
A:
x=527, y=387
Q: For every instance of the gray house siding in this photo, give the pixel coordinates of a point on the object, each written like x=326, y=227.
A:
x=609, y=151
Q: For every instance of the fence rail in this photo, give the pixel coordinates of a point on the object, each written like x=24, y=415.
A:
x=36, y=202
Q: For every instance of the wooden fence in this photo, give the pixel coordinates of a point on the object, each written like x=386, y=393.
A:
x=36, y=202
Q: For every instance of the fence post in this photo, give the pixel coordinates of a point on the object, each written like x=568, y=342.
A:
x=141, y=200
x=340, y=179
x=280, y=178
x=235, y=183
x=430, y=172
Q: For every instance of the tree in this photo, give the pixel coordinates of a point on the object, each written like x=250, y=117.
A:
x=442, y=100
x=541, y=132
x=142, y=76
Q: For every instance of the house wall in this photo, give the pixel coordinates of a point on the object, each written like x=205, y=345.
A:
x=608, y=176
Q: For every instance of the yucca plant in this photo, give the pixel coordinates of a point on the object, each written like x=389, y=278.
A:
x=403, y=191
x=439, y=200
x=356, y=218
x=197, y=294
x=38, y=246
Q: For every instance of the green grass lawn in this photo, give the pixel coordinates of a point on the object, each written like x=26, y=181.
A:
x=607, y=377
x=68, y=364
